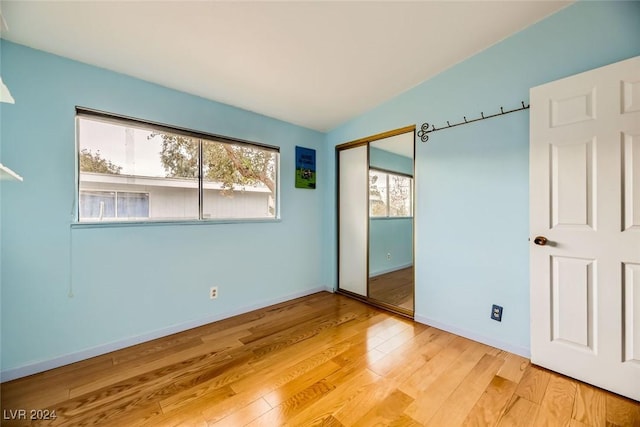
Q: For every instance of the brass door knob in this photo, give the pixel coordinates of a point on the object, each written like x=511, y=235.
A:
x=540, y=240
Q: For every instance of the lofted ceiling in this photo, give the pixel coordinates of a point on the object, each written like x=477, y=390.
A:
x=312, y=63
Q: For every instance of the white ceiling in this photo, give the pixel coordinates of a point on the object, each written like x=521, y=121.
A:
x=313, y=63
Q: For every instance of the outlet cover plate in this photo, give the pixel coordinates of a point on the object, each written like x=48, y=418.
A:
x=496, y=312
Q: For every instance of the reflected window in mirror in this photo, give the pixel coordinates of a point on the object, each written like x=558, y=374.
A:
x=390, y=194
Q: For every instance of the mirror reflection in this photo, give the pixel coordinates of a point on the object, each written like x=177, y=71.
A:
x=391, y=276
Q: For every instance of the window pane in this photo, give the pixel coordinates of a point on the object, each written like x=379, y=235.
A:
x=117, y=157
x=133, y=205
x=377, y=193
x=239, y=181
x=399, y=195
x=96, y=205
x=154, y=172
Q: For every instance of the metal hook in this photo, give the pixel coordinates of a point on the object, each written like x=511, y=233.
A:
x=465, y=119
x=522, y=102
x=482, y=114
x=448, y=123
x=501, y=110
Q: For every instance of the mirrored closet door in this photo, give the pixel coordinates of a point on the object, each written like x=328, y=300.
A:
x=375, y=220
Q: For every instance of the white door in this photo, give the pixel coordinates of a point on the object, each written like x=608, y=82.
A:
x=585, y=200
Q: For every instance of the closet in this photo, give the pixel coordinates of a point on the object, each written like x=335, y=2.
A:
x=375, y=219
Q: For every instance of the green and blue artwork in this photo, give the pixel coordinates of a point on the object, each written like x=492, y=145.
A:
x=305, y=168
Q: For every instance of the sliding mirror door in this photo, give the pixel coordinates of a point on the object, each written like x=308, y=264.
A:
x=391, y=274
x=375, y=219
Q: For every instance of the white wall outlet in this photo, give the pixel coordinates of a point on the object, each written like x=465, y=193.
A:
x=213, y=292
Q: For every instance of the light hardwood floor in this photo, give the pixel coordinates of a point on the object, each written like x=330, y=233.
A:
x=320, y=360
x=395, y=288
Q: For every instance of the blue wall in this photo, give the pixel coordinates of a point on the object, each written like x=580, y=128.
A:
x=472, y=213
x=390, y=236
x=131, y=281
x=393, y=162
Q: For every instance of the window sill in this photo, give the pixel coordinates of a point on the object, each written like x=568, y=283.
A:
x=386, y=218
x=115, y=224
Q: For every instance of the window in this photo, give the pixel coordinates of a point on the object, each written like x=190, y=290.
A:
x=131, y=170
x=100, y=205
x=390, y=194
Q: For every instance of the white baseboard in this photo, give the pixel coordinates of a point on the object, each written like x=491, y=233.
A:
x=520, y=351
x=45, y=365
x=390, y=270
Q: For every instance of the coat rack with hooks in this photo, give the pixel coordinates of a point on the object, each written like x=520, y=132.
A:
x=424, y=129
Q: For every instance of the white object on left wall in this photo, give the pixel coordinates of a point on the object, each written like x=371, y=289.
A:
x=5, y=95
x=6, y=173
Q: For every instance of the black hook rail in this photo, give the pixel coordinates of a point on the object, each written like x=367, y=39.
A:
x=424, y=129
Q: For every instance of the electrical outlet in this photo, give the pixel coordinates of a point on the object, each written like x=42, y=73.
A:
x=213, y=292
x=496, y=313
x=389, y=255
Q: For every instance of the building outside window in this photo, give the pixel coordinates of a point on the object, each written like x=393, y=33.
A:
x=99, y=205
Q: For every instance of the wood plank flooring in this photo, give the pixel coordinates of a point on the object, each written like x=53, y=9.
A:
x=395, y=288
x=323, y=360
